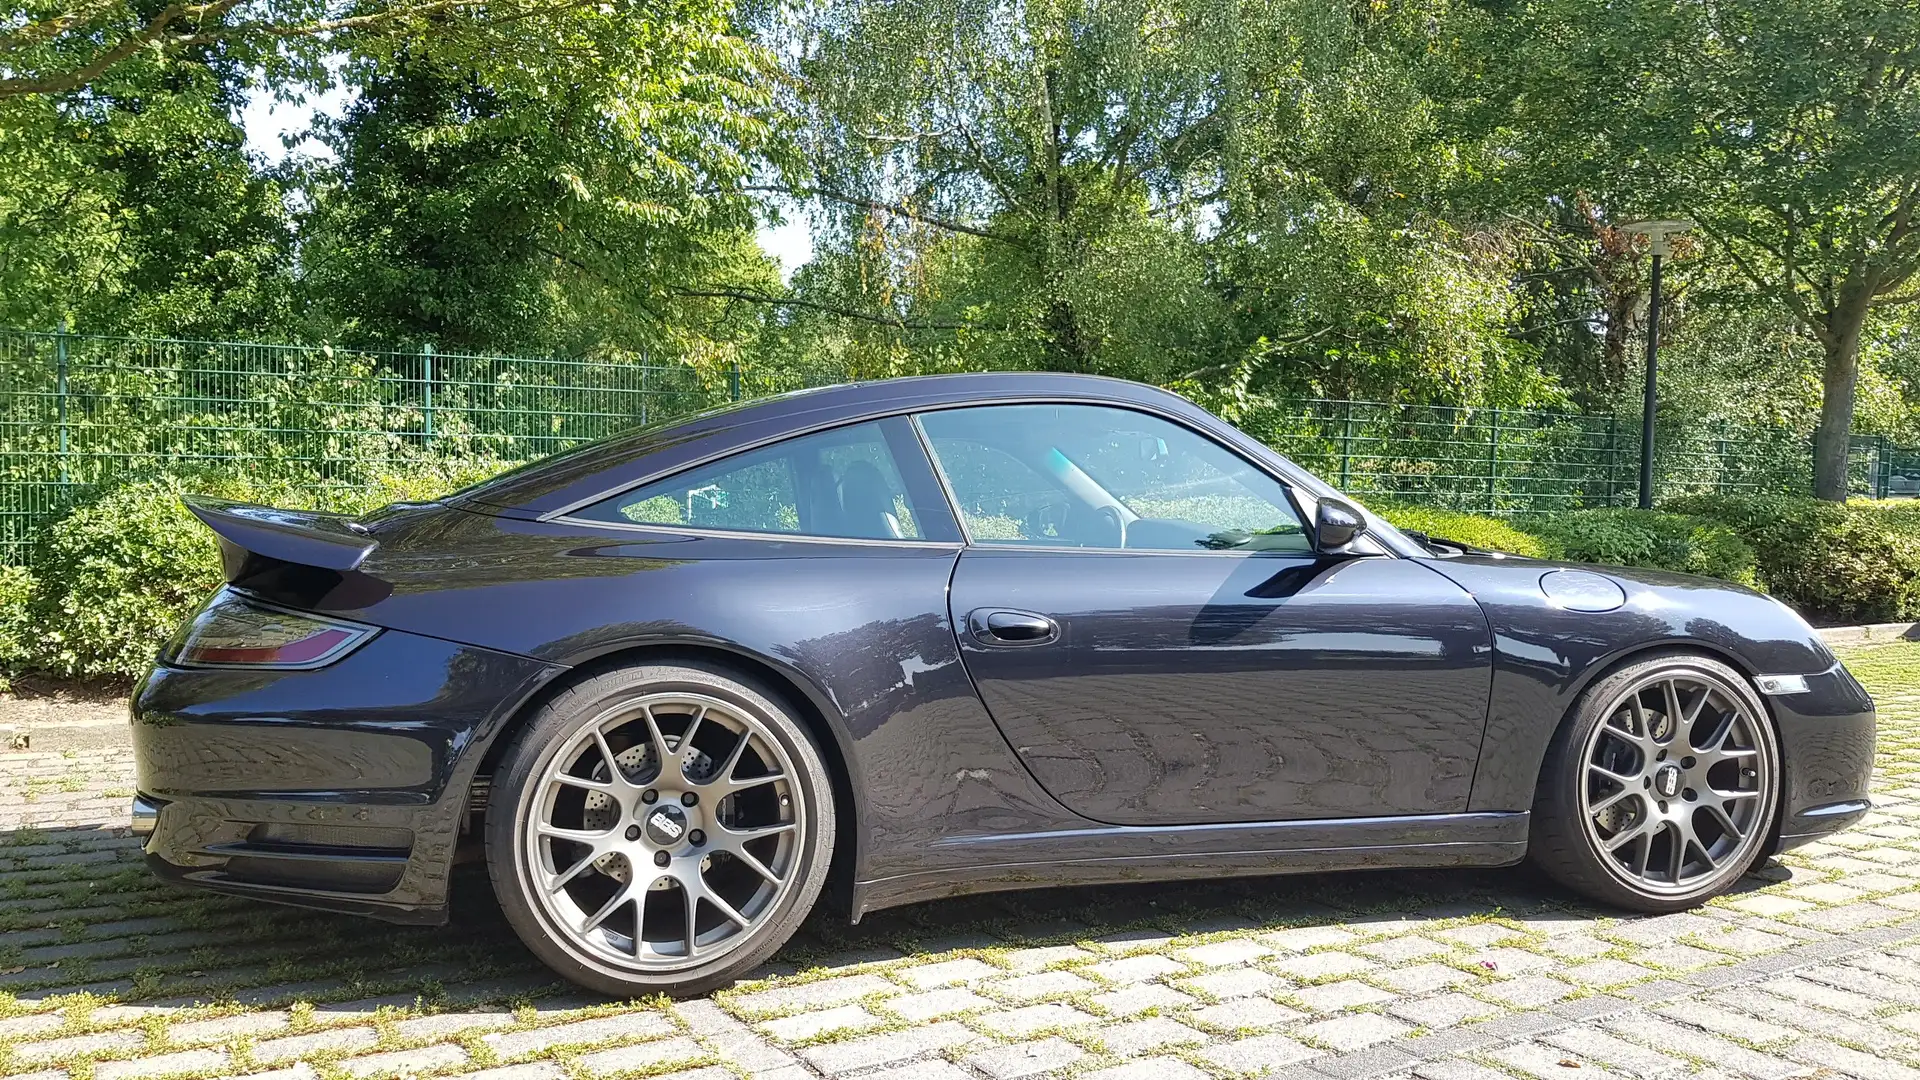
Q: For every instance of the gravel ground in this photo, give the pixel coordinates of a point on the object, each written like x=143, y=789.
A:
x=1813, y=967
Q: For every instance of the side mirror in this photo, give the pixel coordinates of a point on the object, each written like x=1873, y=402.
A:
x=1336, y=524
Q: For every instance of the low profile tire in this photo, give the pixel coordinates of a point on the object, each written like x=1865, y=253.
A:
x=1660, y=789
x=659, y=829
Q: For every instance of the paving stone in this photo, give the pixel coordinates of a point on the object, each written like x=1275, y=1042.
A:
x=22, y=1027
x=304, y=1071
x=814, y=995
x=1869, y=983
x=1806, y=991
x=1235, y=982
x=1614, y=1052
x=1024, y=1059
x=1046, y=984
x=1139, y=1036
x=447, y=1025
x=1604, y=973
x=227, y=1028
x=1249, y=1013
x=949, y=973
x=1325, y=965
x=1678, y=957
x=1227, y=953
x=1661, y=1033
x=1479, y=935
x=1531, y=992
x=1401, y=949
x=935, y=1004
x=634, y=1025
x=1340, y=996
x=852, y=1055
x=1348, y=1033
x=405, y=1062
x=1136, y=969
x=1042, y=956
x=1260, y=1054
x=1457, y=1069
x=1130, y=1000
x=1019, y=1023
x=1768, y=905
x=1576, y=947
x=1726, y=1022
x=1534, y=1059
x=1309, y=937
x=1165, y=1068
x=1508, y=962
x=183, y=1062
x=1443, y=1010
x=104, y=1042
x=1799, y=1018
x=730, y=1038
x=812, y=1024
x=1829, y=1055
x=1424, y=978
x=345, y=1040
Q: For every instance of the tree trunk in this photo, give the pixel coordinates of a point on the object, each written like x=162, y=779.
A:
x=1841, y=343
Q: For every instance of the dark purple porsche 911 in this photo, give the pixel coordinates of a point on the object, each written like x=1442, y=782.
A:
x=898, y=640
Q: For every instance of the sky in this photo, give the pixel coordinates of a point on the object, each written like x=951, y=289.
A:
x=266, y=121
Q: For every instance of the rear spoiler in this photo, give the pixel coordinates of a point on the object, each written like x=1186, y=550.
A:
x=253, y=538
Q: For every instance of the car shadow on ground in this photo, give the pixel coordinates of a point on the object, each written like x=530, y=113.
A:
x=80, y=912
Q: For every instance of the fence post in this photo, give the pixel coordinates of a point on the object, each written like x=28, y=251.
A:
x=1346, y=446
x=1493, y=463
x=426, y=393
x=60, y=395
x=733, y=381
x=643, y=387
x=1613, y=457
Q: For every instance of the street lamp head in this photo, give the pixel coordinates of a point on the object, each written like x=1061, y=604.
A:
x=1658, y=232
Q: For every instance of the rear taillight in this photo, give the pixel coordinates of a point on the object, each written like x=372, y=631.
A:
x=236, y=631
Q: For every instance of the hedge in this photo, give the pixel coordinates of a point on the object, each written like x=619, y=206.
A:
x=114, y=576
x=1837, y=563
x=1472, y=530
x=1684, y=543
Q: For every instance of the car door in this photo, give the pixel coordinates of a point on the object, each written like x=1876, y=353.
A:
x=1143, y=613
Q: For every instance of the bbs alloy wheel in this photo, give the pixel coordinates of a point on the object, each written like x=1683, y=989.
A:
x=1661, y=790
x=660, y=829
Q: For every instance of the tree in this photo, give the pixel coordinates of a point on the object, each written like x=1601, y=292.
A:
x=1790, y=132
x=560, y=198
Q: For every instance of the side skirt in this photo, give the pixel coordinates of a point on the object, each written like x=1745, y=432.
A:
x=1116, y=854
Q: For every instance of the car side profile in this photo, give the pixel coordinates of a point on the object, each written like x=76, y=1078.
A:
x=885, y=642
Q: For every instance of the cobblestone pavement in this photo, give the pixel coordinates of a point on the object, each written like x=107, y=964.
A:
x=1813, y=968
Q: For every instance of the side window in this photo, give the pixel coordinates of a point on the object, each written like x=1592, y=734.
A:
x=1099, y=477
x=841, y=483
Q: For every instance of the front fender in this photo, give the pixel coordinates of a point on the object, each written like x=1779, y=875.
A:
x=1545, y=655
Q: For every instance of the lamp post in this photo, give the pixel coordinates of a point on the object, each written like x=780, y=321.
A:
x=1658, y=234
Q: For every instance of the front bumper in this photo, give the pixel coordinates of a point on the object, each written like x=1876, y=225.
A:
x=344, y=788
x=1826, y=750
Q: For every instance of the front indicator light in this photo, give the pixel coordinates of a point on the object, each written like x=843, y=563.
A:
x=235, y=631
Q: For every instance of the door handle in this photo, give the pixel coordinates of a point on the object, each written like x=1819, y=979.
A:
x=998, y=626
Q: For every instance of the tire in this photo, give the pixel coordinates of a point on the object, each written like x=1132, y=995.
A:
x=741, y=817
x=1639, y=812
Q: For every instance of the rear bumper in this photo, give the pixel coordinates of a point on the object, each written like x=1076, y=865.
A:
x=344, y=788
x=1826, y=747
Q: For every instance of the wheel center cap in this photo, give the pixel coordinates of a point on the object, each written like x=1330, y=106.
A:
x=666, y=826
x=1667, y=781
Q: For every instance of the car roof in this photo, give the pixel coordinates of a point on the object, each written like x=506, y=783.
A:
x=563, y=480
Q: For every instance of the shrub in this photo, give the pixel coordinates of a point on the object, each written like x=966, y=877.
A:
x=1837, y=563
x=114, y=576
x=16, y=594
x=1473, y=530
x=1654, y=539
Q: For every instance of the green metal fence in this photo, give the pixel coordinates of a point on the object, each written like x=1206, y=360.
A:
x=77, y=410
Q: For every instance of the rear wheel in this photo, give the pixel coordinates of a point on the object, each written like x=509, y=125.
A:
x=659, y=829
x=1659, y=791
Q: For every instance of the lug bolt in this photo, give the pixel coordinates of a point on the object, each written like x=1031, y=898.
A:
x=689, y=799
x=633, y=832
x=1690, y=794
x=661, y=858
x=696, y=838
x=649, y=796
x=1687, y=763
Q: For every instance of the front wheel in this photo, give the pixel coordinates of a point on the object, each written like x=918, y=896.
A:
x=659, y=829
x=1660, y=789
